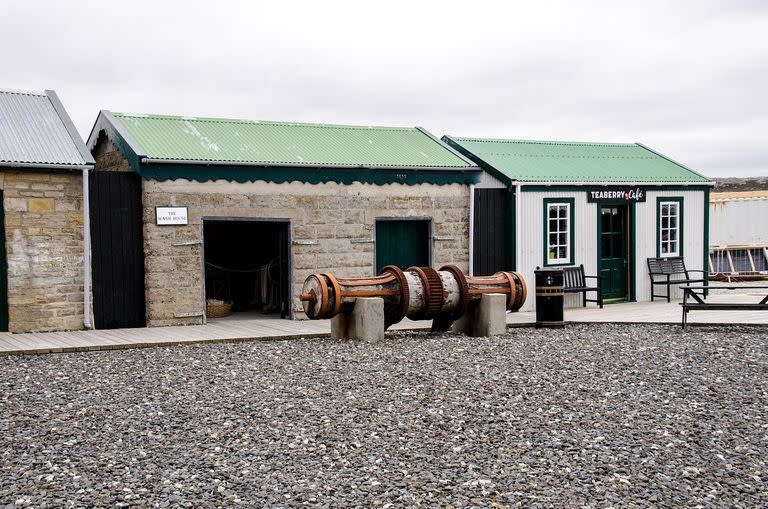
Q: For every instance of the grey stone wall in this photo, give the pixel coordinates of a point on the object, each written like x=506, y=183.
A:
x=331, y=214
x=44, y=250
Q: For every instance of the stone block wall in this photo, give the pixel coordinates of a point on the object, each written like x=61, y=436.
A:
x=331, y=214
x=44, y=249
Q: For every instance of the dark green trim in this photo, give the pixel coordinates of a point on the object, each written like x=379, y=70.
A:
x=162, y=172
x=572, y=226
x=582, y=187
x=632, y=262
x=632, y=251
x=488, y=167
x=512, y=240
x=680, y=223
x=705, y=268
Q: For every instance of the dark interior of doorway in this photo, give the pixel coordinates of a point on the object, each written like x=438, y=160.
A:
x=247, y=264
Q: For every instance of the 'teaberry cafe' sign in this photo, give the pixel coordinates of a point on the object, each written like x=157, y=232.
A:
x=627, y=194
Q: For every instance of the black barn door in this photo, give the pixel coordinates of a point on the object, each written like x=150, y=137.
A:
x=117, y=250
x=490, y=244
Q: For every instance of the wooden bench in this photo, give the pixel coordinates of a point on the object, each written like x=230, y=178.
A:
x=665, y=268
x=574, y=281
x=699, y=303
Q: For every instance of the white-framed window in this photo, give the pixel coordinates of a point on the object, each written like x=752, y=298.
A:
x=559, y=232
x=670, y=230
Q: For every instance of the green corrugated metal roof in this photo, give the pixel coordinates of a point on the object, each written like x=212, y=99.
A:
x=560, y=161
x=242, y=141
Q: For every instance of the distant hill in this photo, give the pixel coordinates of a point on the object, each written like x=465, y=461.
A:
x=728, y=184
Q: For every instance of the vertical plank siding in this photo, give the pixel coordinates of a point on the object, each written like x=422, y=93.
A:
x=491, y=231
x=117, y=246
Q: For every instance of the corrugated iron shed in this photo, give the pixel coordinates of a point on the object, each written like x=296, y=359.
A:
x=35, y=131
x=739, y=195
x=227, y=141
x=577, y=162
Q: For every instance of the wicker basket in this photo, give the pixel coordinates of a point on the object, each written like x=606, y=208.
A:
x=218, y=308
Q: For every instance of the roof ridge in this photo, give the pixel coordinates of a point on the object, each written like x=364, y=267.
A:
x=22, y=92
x=546, y=142
x=261, y=122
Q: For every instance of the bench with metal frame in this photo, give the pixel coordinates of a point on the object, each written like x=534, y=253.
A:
x=574, y=281
x=699, y=303
x=666, y=268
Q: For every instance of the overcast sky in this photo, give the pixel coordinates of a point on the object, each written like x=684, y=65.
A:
x=689, y=79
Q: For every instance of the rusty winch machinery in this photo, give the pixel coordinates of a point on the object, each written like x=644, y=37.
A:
x=420, y=293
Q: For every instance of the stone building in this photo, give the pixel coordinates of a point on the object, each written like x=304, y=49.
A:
x=43, y=165
x=243, y=211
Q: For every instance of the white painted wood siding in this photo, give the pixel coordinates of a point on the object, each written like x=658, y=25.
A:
x=530, y=237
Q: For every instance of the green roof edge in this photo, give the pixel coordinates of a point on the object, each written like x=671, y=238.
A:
x=468, y=154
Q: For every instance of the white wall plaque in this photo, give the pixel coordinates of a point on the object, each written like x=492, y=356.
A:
x=165, y=216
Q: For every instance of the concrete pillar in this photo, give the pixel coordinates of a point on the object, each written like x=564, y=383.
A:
x=484, y=317
x=365, y=322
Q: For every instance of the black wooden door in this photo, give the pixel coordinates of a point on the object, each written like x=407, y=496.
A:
x=490, y=243
x=3, y=270
x=117, y=250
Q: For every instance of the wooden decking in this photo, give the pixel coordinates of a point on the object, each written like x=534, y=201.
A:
x=243, y=329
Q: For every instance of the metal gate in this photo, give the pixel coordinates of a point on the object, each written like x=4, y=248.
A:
x=117, y=250
x=491, y=231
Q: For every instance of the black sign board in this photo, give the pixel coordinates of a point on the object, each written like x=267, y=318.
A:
x=627, y=194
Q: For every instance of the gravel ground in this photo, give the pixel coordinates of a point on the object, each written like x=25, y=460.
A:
x=592, y=416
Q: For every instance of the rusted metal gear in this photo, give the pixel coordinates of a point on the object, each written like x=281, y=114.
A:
x=443, y=322
x=433, y=292
x=394, y=315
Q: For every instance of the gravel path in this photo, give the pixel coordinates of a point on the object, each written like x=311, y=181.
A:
x=593, y=416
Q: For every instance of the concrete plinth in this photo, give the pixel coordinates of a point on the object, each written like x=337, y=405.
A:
x=485, y=317
x=365, y=322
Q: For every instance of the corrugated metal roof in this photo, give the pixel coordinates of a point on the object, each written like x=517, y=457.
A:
x=263, y=143
x=558, y=161
x=35, y=129
x=739, y=195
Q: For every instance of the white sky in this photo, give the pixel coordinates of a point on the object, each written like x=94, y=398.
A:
x=689, y=79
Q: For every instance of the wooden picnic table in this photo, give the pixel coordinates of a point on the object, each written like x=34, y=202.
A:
x=698, y=300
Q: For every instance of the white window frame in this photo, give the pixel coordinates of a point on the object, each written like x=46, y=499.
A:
x=566, y=206
x=668, y=229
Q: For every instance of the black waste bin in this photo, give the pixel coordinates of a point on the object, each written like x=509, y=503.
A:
x=549, y=298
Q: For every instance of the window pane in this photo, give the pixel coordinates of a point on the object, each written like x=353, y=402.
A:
x=672, y=234
x=665, y=222
x=552, y=253
x=664, y=248
x=553, y=225
x=552, y=211
x=616, y=246
x=562, y=251
x=605, y=246
x=552, y=239
x=563, y=225
x=672, y=247
x=561, y=239
x=673, y=222
x=664, y=209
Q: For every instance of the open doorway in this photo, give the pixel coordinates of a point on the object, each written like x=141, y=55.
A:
x=247, y=267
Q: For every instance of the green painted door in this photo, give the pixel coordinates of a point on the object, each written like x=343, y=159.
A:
x=404, y=243
x=613, y=261
x=3, y=270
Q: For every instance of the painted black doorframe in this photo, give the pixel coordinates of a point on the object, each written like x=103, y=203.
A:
x=286, y=250
x=631, y=246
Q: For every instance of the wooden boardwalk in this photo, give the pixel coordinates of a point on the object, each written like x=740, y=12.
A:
x=243, y=329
